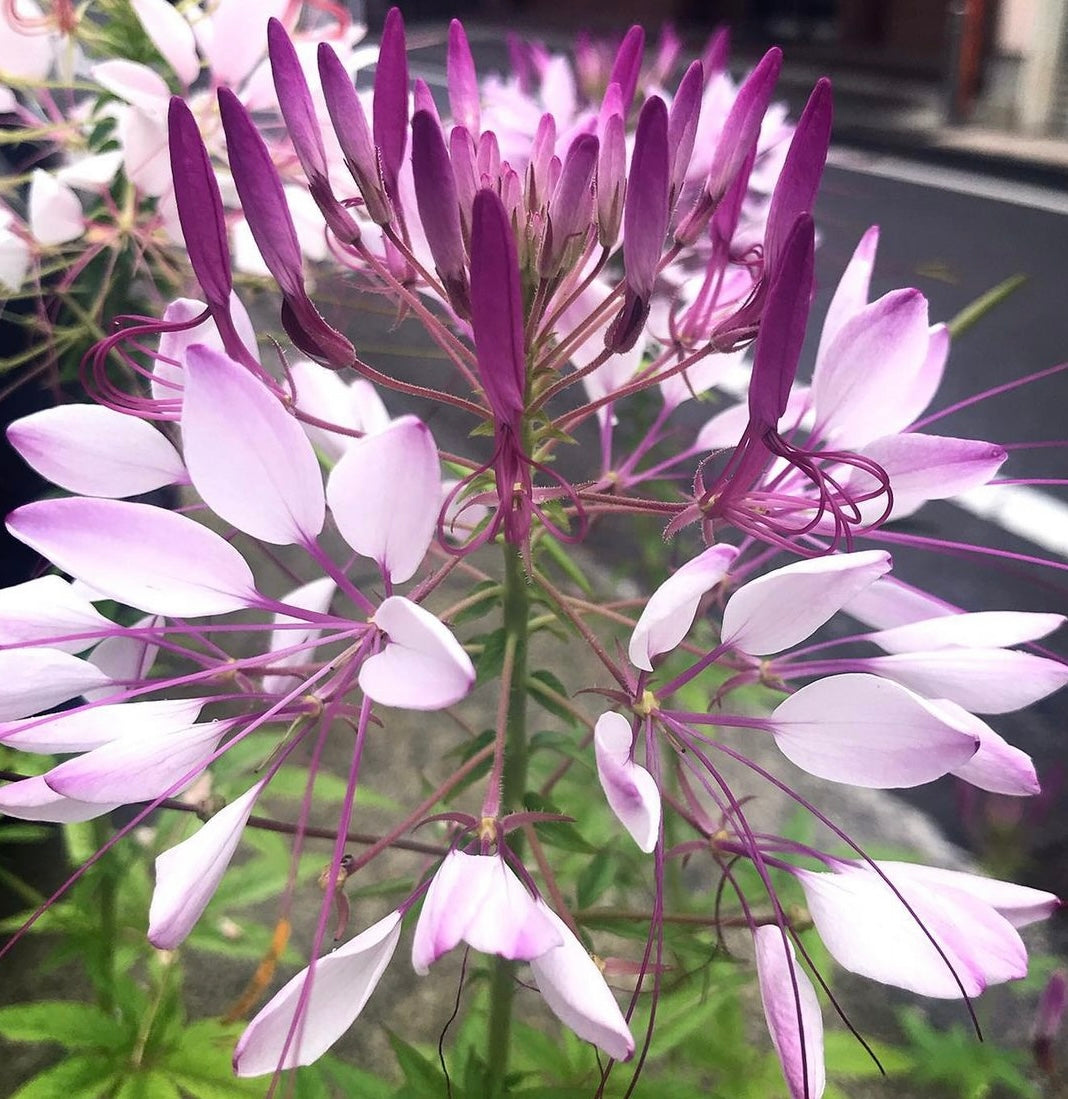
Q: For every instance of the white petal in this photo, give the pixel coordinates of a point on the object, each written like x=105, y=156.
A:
x=314, y=596
x=38, y=679
x=980, y=630
x=172, y=35
x=48, y=610
x=55, y=214
x=630, y=789
x=34, y=799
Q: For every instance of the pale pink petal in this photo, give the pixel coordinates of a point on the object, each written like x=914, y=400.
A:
x=669, y=614
x=385, y=495
x=851, y=296
x=869, y=931
x=143, y=556
x=919, y=390
x=187, y=875
x=145, y=151
x=90, y=173
x=47, y=609
x=247, y=456
x=135, y=769
x=422, y=667
x=699, y=378
x=172, y=35
x=578, y=995
x=629, y=788
x=25, y=53
x=38, y=679
x=979, y=630
x=783, y=607
x=354, y=405
x=342, y=983
x=134, y=83
x=235, y=36
x=792, y=1013
x=725, y=428
x=1019, y=904
x=89, y=727
x=14, y=259
x=96, y=451
x=889, y=603
x=985, y=681
x=868, y=731
x=126, y=657
x=869, y=364
x=34, y=799
x=314, y=596
x=55, y=214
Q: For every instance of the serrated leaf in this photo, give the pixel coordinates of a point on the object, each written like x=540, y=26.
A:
x=76, y=1026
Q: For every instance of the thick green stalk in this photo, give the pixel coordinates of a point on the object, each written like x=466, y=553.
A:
x=513, y=787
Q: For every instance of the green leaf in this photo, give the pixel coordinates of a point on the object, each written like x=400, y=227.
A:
x=76, y=1026
x=75, y=1078
x=566, y=564
x=547, y=690
x=424, y=1074
x=976, y=310
x=847, y=1058
x=556, y=833
x=596, y=878
x=151, y=1085
x=490, y=661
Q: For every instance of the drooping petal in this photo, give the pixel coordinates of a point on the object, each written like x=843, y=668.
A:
x=670, y=612
x=629, y=788
x=187, y=875
x=385, y=494
x=247, y=456
x=578, y=995
x=342, y=983
x=869, y=931
x=979, y=630
x=172, y=35
x=313, y=596
x=477, y=899
x=34, y=799
x=868, y=731
x=47, y=609
x=89, y=727
x=782, y=608
x=38, y=679
x=984, y=681
x=143, y=556
x=137, y=769
x=96, y=451
x=792, y=1013
x=422, y=667
x=55, y=214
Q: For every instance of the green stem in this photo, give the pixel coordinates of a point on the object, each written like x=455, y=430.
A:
x=106, y=904
x=513, y=787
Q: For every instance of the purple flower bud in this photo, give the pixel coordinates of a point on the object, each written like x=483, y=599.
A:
x=463, y=80
x=571, y=209
x=682, y=124
x=488, y=159
x=611, y=180
x=462, y=155
x=717, y=50
x=390, y=114
x=628, y=64
x=353, y=133
x=1048, y=1019
x=424, y=100
x=541, y=154
x=439, y=207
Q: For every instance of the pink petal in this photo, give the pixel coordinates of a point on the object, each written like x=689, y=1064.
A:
x=871, y=361
x=342, y=983
x=25, y=51
x=314, y=596
x=630, y=789
x=985, y=681
x=145, y=150
x=48, y=610
x=354, y=405
x=187, y=875
x=14, y=258
x=422, y=667
x=889, y=603
x=385, y=495
x=172, y=35
x=477, y=899
x=234, y=37
x=55, y=214
x=247, y=456
x=869, y=931
x=127, y=656
x=980, y=630
x=96, y=451
x=578, y=995
x=137, y=769
x=867, y=731
x=89, y=727
x=670, y=612
x=784, y=607
x=793, y=1015
x=141, y=555
x=33, y=799
x=38, y=679
x=851, y=296
x=134, y=83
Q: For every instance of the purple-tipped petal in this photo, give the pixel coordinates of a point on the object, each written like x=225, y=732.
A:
x=478, y=900
x=188, y=875
x=47, y=609
x=575, y=989
x=38, y=679
x=792, y=1013
x=497, y=307
x=342, y=983
x=143, y=556
x=385, y=495
x=422, y=667
x=96, y=451
x=628, y=65
x=782, y=608
x=390, y=114
x=997, y=766
x=851, y=295
x=247, y=456
x=867, y=731
x=629, y=788
x=670, y=612
x=141, y=768
x=463, y=80
x=34, y=799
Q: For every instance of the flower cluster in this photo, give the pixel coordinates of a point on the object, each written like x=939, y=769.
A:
x=577, y=257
